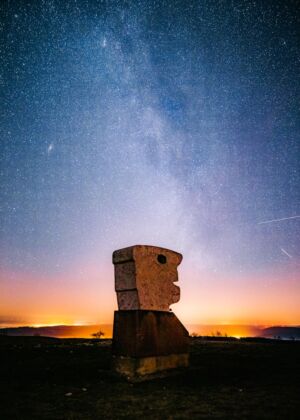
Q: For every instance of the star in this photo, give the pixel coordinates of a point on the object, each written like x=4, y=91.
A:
x=50, y=148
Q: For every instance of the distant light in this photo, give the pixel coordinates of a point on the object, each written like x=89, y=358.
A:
x=50, y=148
x=43, y=325
x=79, y=323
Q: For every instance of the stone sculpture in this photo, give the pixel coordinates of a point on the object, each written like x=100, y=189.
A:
x=145, y=276
x=147, y=337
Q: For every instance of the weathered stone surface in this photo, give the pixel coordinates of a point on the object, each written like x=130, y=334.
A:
x=145, y=276
x=143, y=334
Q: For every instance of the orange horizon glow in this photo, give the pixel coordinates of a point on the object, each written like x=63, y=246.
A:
x=86, y=331
x=85, y=296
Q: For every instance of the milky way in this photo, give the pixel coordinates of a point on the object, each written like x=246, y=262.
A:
x=170, y=123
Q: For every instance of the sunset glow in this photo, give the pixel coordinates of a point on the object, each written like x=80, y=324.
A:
x=240, y=300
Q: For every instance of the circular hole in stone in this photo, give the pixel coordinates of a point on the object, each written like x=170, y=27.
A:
x=161, y=259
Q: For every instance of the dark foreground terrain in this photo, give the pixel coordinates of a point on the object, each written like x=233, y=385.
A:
x=47, y=378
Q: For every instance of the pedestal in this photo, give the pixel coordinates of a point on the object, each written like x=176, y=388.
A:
x=148, y=342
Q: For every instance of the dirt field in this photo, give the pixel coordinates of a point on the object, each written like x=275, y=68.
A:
x=45, y=378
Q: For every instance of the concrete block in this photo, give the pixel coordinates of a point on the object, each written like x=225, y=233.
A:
x=148, y=333
x=134, y=368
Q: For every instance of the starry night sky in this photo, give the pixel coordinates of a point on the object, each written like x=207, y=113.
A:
x=169, y=123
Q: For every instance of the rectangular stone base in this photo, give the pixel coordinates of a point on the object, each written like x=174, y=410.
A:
x=134, y=368
x=141, y=334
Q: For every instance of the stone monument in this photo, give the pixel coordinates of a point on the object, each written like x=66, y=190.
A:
x=147, y=337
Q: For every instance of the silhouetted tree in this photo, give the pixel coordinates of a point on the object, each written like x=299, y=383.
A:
x=98, y=334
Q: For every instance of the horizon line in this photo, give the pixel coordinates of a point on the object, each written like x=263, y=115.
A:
x=111, y=324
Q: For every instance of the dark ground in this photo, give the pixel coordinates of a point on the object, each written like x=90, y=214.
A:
x=226, y=379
